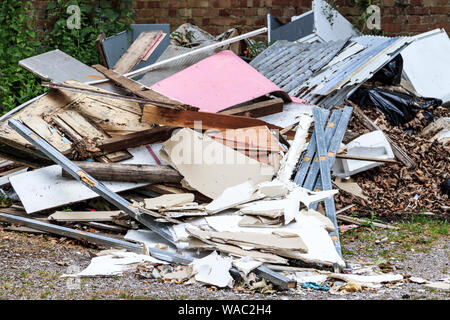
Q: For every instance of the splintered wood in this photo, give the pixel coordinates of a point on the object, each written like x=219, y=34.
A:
x=137, y=51
x=74, y=123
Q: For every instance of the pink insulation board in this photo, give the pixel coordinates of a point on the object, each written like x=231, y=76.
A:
x=218, y=82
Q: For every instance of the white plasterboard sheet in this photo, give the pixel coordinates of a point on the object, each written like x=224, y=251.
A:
x=316, y=238
x=290, y=115
x=330, y=25
x=45, y=188
x=426, y=63
x=114, y=264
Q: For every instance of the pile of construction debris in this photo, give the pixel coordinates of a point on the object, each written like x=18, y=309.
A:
x=195, y=165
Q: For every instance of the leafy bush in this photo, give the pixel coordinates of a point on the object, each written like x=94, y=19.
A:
x=20, y=39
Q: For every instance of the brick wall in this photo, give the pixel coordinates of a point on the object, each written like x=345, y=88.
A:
x=398, y=17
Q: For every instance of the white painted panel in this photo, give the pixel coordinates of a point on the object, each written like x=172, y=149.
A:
x=45, y=188
x=426, y=63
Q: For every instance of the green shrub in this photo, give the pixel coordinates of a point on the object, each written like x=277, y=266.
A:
x=20, y=39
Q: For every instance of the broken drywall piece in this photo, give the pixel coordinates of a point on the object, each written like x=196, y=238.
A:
x=218, y=82
x=307, y=197
x=79, y=216
x=114, y=264
x=309, y=276
x=214, y=270
x=249, y=240
x=233, y=196
x=260, y=221
x=209, y=166
x=370, y=279
x=373, y=144
x=236, y=251
x=246, y=264
x=319, y=218
x=268, y=208
x=150, y=239
x=290, y=160
x=272, y=189
x=317, y=240
x=168, y=200
x=179, y=275
x=350, y=187
x=439, y=286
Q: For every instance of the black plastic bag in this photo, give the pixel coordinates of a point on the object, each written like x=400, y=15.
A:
x=398, y=107
x=391, y=73
x=445, y=187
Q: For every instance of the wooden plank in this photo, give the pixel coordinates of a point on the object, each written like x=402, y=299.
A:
x=136, y=139
x=140, y=90
x=135, y=52
x=129, y=172
x=185, y=118
x=47, y=132
x=152, y=47
x=364, y=222
x=398, y=152
x=348, y=156
x=258, y=109
x=84, y=216
x=98, y=45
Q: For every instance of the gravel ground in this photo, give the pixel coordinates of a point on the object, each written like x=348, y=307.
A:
x=31, y=265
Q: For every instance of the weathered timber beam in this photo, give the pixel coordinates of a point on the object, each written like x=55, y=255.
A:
x=128, y=172
x=258, y=109
x=136, y=139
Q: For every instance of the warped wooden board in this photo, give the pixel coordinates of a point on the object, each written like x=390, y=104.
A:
x=47, y=132
x=189, y=119
x=136, y=139
x=135, y=52
x=134, y=86
x=258, y=109
x=45, y=188
x=152, y=48
x=76, y=116
x=80, y=125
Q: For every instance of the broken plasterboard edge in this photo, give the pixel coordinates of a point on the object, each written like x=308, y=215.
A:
x=45, y=188
x=320, y=246
x=209, y=166
x=213, y=270
x=114, y=264
x=233, y=196
x=168, y=200
x=291, y=158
